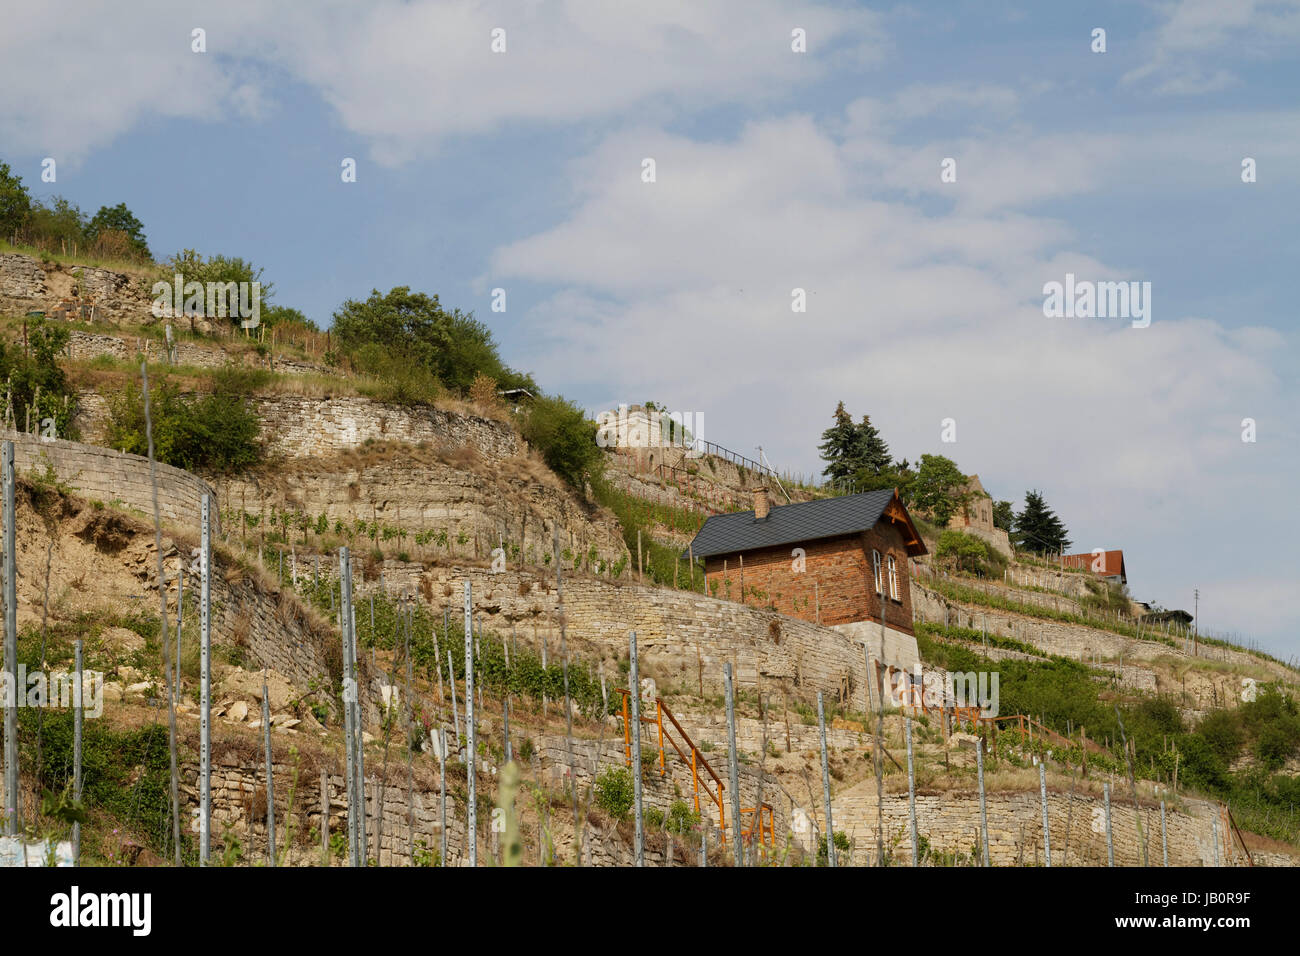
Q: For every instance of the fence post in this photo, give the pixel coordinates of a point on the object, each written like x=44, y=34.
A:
x=11, y=644
x=270, y=780
x=1047, y=833
x=1164, y=839
x=826, y=783
x=734, y=765
x=984, y=815
x=455, y=708
x=349, y=693
x=360, y=740
x=180, y=614
x=911, y=793
x=442, y=787
x=1110, y=841
x=325, y=815
x=634, y=692
x=205, y=679
x=79, y=702
x=471, y=817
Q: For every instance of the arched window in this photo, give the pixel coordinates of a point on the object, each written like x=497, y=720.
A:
x=893, y=578
x=875, y=570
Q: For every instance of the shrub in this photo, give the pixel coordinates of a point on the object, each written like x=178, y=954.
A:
x=35, y=381
x=614, y=793
x=214, y=432
x=681, y=818
x=565, y=437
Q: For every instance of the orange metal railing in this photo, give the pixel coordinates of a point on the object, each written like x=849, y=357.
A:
x=762, y=820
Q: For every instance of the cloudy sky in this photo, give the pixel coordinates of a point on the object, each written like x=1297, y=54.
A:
x=775, y=170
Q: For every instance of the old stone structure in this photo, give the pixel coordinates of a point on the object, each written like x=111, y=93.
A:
x=976, y=518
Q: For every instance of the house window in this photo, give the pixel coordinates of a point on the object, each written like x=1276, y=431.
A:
x=893, y=578
x=875, y=569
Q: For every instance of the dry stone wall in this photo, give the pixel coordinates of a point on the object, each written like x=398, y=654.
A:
x=683, y=639
x=471, y=511
x=661, y=790
x=91, y=345
x=109, y=476
x=1076, y=641
x=299, y=427
x=950, y=821
x=29, y=284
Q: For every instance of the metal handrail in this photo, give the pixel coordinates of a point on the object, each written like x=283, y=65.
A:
x=696, y=759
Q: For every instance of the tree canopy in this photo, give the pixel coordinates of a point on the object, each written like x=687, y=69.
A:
x=939, y=488
x=119, y=219
x=853, y=451
x=1038, y=529
x=414, y=328
x=15, y=203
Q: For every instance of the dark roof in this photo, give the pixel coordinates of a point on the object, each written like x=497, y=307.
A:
x=792, y=523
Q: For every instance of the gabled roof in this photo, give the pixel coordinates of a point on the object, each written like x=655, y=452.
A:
x=805, y=521
x=1112, y=563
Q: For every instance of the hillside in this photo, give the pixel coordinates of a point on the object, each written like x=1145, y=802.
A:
x=424, y=488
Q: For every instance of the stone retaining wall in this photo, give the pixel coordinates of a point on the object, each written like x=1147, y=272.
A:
x=109, y=476
x=950, y=821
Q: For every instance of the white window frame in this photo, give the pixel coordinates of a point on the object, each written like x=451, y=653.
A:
x=893, y=578
x=875, y=569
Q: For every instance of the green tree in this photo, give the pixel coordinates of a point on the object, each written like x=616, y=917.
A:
x=15, y=203
x=414, y=328
x=962, y=551
x=939, y=488
x=59, y=220
x=840, y=447
x=870, y=449
x=36, y=384
x=119, y=219
x=1038, y=529
x=1004, y=516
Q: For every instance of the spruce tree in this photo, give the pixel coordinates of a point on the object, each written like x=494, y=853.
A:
x=839, y=447
x=870, y=450
x=1038, y=529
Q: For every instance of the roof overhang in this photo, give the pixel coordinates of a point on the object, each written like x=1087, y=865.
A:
x=896, y=515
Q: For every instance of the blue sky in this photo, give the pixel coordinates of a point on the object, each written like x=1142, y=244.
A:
x=775, y=170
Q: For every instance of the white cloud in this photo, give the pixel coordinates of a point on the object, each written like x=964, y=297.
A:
x=1185, y=48
x=406, y=76
x=682, y=289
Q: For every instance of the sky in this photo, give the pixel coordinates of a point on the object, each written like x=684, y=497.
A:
x=776, y=169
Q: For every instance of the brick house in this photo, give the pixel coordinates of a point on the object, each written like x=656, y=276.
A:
x=841, y=562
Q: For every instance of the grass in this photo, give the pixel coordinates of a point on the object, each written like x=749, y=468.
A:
x=145, y=270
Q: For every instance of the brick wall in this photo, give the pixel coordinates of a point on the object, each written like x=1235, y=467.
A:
x=835, y=587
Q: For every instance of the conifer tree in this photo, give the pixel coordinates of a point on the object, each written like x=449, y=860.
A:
x=1038, y=529
x=870, y=450
x=839, y=447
